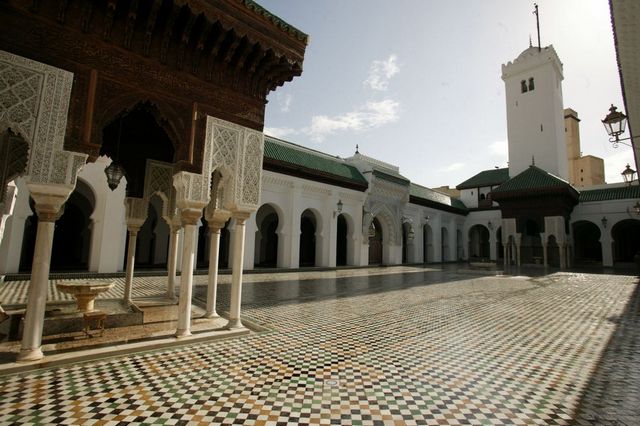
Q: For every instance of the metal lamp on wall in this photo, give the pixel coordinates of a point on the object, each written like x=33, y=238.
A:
x=628, y=174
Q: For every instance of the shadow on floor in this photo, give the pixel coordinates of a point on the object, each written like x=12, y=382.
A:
x=612, y=396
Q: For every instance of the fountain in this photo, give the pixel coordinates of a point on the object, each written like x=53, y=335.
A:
x=85, y=292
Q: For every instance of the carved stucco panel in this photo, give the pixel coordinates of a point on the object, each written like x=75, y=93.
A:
x=34, y=101
x=252, y=168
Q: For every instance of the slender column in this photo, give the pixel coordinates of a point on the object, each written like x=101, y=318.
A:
x=172, y=261
x=544, y=254
x=236, y=278
x=212, y=287
x=518, y=253
x=49, y=209
x=190, y=219
x=131, y=259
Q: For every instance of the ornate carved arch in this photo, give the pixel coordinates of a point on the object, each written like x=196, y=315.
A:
x=167, y=117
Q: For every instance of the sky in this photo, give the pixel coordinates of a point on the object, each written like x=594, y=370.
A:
x=417, y=83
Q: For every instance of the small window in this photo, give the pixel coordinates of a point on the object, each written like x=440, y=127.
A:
x=482, y=197
x=541, y=128
x=531, y=85
x=523, y=86
x=581, y=171
x=581, y=179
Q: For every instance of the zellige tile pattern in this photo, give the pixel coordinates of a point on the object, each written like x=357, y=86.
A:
x=414, y=348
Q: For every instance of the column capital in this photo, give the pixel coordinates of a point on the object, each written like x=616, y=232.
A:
x=133, y=228
x=49, y=200
x=190, y=216
x=240, y=216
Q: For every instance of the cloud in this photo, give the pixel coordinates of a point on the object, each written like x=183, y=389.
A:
x=279, y=132
x=453, y=167
x=614, y=165
x=380, y=72
x=499, y=149
x=373, y=114
x=285, y=102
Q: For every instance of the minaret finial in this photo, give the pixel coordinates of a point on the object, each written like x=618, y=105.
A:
x=530, y=45
x=357, y=152
x=533, y=160
x=535, y=12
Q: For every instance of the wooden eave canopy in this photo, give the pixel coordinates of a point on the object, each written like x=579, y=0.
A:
x=233, y=40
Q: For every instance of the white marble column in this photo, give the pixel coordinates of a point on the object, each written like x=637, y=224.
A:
x=563, y=255
x=190, y=219
x=49, y=200
x=172, y=260
x=212, y=283
x=545, y=257
x=131, y=260
x=236, y=278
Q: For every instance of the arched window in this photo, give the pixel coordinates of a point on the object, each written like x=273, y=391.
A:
x=523, y=86
x=531, y=85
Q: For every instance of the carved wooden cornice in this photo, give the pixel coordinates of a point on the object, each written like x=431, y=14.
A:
x=234, y=42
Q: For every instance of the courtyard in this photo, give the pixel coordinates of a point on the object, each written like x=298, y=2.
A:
x=396, y=345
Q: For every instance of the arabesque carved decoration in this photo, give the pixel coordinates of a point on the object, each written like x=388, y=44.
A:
x=233, y=151
x=35, y=101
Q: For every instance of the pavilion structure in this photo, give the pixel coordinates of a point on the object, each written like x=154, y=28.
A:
x=174, y=92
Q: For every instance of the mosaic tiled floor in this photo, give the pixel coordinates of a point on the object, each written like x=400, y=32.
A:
x=406, y=348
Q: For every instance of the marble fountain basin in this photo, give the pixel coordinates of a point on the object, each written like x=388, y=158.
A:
x=85, y=292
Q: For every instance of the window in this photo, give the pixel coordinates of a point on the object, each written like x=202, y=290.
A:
x=531, y=85
x=523, y=86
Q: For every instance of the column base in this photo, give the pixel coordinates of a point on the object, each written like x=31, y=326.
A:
x=234, y=323
x=29, y=355
x=183, y=333
x=213, y=314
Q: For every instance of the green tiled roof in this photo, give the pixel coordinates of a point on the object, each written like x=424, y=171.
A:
x=605, y=194
x=534, y=178
x=390, y=176
x=486, y=178
x=436, y=199
x=301, y=157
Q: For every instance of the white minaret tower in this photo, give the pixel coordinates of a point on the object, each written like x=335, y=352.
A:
x=535, y=118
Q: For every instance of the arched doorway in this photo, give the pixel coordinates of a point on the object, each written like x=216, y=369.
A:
x=146, y=242
x=479, y=246
x=132, y=138
x=626, y=240
x=427, y=243
x=72, y=237
x=586, y=243
x=341, y=241
x=499, y=246
x=375, y=243
x=531, y=243
x=407, y=242
x=307, y=239
x=267, y=221
x=444, y=244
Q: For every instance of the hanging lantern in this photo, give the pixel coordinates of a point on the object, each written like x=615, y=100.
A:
x=114, y=172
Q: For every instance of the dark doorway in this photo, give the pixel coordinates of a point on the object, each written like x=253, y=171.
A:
x=499, y=246
x=586, y=243
x=266, y=255
x=427, y=244
x=375, y=244
x=479, y=246
x=406, y=241
x=204, y=245
x=341, y=242
x=72, y=237
x=307, y=239
x=626, y=240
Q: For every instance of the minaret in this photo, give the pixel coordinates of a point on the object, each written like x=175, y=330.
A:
x=535, y=118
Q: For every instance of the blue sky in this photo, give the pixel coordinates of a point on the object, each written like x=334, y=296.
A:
x=417, y=83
